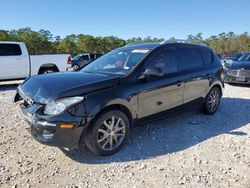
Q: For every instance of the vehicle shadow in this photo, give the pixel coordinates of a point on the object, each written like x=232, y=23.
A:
x=175, y=133
x=9, y=86
x=239, y=85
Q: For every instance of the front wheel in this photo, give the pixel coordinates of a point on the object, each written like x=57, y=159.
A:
x=108, y=133
x=212, y=101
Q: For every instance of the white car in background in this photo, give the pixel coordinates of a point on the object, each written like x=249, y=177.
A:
x=16, y=63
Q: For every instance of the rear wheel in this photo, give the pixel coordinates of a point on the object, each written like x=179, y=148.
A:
x=76, y=67
x=212, y=101
x=47, y=71
x=108, y=133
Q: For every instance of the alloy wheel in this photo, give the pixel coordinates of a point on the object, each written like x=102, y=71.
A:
x=111, y=133
x=213, y=100
x=75, y=67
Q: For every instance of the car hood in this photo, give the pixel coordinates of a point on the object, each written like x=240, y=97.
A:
x=44, y=88
x=240, y=65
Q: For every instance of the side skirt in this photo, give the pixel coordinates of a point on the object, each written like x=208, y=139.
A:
x=197, y=103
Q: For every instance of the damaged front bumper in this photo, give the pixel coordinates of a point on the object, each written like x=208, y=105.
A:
x=47, y=129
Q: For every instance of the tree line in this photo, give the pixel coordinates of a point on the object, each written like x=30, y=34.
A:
x=43, y=42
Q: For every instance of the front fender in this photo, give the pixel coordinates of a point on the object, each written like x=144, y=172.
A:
x=115, y=102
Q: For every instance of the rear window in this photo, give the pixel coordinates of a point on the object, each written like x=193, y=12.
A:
x=207, y=55
x=84, y=57
x=190, y=58
x=10, y=50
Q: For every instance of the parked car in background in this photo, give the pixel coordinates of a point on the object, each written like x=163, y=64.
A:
x=232, y=58
x=16, y=63
x=238, y=71
x=244, y=57
x=81, y=60
x=236, y=56
x=100, y=104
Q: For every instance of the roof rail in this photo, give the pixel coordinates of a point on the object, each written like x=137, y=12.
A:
x=132, y=43
x=188, y=41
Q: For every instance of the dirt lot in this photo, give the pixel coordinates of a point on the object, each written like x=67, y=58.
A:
x=186, y=150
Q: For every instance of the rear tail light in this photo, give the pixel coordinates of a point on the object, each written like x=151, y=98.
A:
x=69, y=60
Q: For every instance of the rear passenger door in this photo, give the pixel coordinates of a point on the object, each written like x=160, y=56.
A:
x=195, y=75
x=158, y=94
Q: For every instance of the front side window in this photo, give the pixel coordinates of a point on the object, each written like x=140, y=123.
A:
x=10, y=50
x=190, y=58
x=166, y=61
x=119, y=61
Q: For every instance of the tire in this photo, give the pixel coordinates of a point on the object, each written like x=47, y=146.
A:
x=76, y=67
x=47, y=70
x=99, y=137
x=212, y=101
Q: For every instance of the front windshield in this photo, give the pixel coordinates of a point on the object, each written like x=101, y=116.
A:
x=245, y=57
x=119, y=61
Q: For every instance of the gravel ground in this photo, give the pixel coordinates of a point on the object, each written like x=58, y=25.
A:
x=186, y=150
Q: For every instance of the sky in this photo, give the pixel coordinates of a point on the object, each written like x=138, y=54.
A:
x=128, y=18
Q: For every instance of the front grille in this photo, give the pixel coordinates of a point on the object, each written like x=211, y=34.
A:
x=239, y=73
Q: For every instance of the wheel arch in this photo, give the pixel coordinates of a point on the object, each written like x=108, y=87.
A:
x=114, y=106
x=94, y=116
x=216, y=84
x=48, y=66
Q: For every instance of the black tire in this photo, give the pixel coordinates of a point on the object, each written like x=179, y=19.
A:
x=212, y=101
x=76, y=67
x=95, y=137
x=47, y=71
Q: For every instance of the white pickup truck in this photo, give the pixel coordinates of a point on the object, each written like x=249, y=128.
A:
x=16, y=63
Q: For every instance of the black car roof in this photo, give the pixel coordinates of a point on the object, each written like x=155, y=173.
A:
x=156, y=44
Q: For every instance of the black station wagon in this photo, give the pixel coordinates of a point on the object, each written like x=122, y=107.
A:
x=100, y=104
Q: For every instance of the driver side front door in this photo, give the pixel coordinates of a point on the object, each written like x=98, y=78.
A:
x=157, y=94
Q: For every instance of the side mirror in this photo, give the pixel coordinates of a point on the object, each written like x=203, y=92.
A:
x=153, y=72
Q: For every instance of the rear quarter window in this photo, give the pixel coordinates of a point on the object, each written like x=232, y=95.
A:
x=207, y=55
x=189, y=58
x=10, y=50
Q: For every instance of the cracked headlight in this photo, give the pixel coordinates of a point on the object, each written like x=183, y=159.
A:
x=56, y=107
